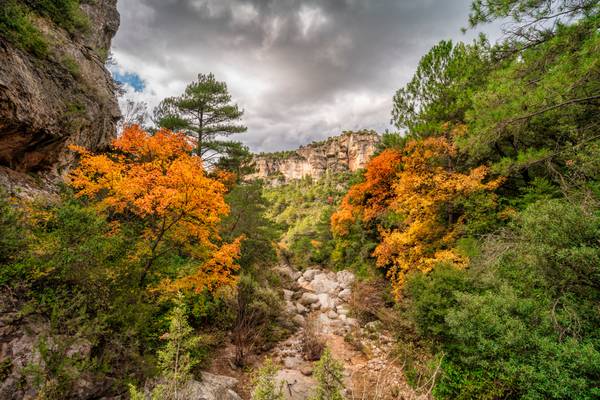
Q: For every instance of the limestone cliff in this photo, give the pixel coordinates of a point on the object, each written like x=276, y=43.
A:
x=59, y=96
x=347, y=152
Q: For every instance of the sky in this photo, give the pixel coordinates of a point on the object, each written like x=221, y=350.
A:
x=302, y=70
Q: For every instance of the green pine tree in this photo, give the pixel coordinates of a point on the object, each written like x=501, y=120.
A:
x=205, y=113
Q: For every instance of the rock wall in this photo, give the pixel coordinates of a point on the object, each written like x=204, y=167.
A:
x=65, y=97
x=347, y=152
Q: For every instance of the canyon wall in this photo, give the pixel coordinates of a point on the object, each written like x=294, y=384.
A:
x=347, y=152
x=61, y=96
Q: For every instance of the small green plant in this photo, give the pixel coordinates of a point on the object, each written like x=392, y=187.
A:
x=16, y=25
x=175, y=359
x=265, y=385
x=329, y=375
x=72, y=66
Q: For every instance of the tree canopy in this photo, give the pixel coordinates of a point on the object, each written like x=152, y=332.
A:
x=203, y=112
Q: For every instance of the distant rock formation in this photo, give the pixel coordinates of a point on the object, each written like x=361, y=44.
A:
x=347, y=152
x=65, y=97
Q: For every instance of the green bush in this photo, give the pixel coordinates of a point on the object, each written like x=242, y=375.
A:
x=17, y=22
x=329, y=376
x=16, y=25
x=265, y=387
x=522, y=322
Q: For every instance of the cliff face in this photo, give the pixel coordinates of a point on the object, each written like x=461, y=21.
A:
x=63, y=97
x=347, y=152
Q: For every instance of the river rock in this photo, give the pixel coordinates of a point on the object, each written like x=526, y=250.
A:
x=298, y=320
x=310, y=273
x=345, y=294
x=308, y=298
x=345, y=279
x=325, y=301
x=322, y=284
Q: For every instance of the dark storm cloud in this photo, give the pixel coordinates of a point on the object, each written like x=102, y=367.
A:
x=301, y=69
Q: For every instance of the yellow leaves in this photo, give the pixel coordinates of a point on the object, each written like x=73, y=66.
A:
x=421, y=184
x=212, y=275
x=370, y=198
x=157, y=180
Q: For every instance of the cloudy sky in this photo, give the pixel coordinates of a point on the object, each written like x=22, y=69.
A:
x=302, y=70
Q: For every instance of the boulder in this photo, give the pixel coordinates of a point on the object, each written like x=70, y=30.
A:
x=325, y=301
x=323, y=284
x=292, y=362
x=345, y=294
x=290, y=308
x=345, y=279
x=288, y=271
x=308, y=298
x=287, y=294
x=212, y=387
x=296, y=386
x=298, y=320
x=306, y=370
x=310, y=273
x=301, y=309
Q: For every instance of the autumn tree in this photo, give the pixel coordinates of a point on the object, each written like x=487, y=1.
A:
x=413, y=197
x=205, y=113
x=370, y=198
x=159, y=183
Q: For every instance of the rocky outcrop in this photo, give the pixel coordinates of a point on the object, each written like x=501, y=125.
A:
x=64, y=97
x=347, y=152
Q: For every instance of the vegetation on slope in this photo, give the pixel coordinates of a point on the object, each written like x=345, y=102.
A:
x=485, y=213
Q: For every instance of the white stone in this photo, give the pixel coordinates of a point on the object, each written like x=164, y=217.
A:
x=345, y=294
x=345, y=278
x=325, y=301
x=322, y=284
x=310, y=273
x=287, y=294
x=308, y=298
x=332, y=314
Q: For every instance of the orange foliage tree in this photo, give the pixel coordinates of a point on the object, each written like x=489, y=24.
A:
x=420, y=186
x=157, y=181
x=370, y=198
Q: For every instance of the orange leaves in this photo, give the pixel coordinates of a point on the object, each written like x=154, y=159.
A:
x=371, y=197
x=157, y=180
x=213, y=274
x=420, y=185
